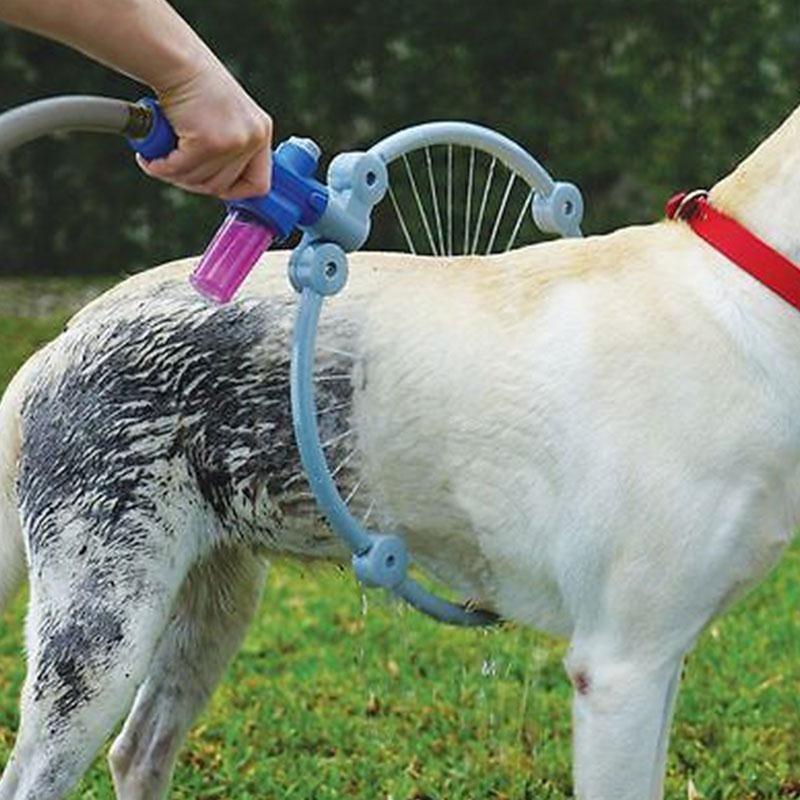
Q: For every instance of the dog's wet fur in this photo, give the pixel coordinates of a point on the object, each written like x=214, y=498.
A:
x=597, y=438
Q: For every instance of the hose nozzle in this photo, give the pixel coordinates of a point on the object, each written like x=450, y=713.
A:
x=252, y=225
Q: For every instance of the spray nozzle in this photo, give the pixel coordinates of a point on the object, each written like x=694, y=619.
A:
x=338, y=213
x=296, y=199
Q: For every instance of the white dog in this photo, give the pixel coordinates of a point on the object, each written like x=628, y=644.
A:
x=596, y=437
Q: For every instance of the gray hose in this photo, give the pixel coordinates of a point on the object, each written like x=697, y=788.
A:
x=70, y=113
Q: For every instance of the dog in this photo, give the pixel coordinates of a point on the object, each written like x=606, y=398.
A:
x=594, y=437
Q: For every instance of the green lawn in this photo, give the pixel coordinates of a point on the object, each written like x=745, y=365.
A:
x=326, y=701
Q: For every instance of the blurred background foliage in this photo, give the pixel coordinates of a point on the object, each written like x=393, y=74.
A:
x=630, y=100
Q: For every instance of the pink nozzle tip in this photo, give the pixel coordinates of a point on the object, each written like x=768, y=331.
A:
x=230, y=256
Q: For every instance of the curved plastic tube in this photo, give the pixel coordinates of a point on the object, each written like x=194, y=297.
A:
x=505, y=150
x=467, y=134
x=557, y=207
x=60, y=114
x=443, y=610
x=304, y=418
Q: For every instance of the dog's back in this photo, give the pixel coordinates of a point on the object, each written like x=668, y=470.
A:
x=155, y=401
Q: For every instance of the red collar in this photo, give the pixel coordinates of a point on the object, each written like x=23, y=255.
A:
x=733, y=240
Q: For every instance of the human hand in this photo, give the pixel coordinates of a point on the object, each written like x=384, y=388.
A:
x=224, y=137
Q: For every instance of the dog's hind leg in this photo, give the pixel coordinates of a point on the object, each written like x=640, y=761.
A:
x=92, y=628
x=621, y=712
x=213, y=611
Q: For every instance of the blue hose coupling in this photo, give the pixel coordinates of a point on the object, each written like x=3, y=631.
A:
x=160, y=140
x=384, y=565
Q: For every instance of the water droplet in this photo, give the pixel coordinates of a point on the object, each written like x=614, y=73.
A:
x=489, y=668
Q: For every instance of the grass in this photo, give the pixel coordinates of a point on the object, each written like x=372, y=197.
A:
x=325, y=701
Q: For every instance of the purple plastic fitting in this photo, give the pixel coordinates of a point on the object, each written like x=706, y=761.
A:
x=232, y=253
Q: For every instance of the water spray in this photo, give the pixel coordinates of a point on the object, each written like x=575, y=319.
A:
x=335, y=218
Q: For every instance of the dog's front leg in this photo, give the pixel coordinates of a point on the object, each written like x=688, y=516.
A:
x=622, y=709
x=660, y=766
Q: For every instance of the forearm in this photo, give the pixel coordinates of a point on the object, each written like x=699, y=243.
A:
x=145, y=39
x=223, y=135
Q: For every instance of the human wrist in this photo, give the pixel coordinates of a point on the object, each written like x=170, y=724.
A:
x=177, y=57
x=183, y=68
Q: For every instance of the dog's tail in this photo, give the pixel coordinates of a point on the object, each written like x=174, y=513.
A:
x=12, y=548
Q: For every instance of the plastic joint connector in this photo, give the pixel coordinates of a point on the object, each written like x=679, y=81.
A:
x=384, y=565
x=561, y=211
x=320, y=267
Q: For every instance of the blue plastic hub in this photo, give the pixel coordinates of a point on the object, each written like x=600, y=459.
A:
x=296, y=198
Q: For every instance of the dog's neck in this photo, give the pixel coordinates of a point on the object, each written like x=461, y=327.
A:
x=763, y=192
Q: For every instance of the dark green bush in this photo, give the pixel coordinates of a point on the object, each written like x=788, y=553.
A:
x=630, y=100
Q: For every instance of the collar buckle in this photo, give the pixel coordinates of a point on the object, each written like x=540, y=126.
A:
x=686, y=205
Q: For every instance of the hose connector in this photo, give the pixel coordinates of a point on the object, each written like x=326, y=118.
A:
x=295, y=199
x=157, y=138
